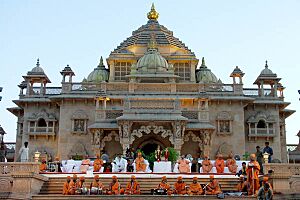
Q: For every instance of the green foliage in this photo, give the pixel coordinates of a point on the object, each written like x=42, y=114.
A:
x=173, y=154
x=246, y=155
x=77, y=157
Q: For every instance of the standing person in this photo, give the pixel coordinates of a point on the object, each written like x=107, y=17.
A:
x=259, y=158
x=269, y=150
x=252, y=175
x=24, y=153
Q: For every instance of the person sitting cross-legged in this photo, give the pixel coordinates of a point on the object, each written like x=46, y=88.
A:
x=115, y=187
x=243, y=185
x=163, y=187
x=213, y=187
x=97, y=186
x=231, y=164
x=98, y=163
x=180, y=186
x=184, y=165
x=195, y=187
x=73, y=185
x=206, y=165
x=132, y=187
x=220, y=164
x=66, y=186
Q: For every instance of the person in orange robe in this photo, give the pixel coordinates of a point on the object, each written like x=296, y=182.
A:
x=164, y=185
x=183, y=165
x=231, y=164
x=252, y=175
x=213, y=186
x=243, y=185
x=115, y=187
x=206, y=165
x=220, y=164
x=140, y=165
x=85, y=164
x=66, y=186
x=266, y=180
x=73, y=185
x=97, y=187
x=133, y=187
x=195, y=187
x=98, y=163
x=179, y=186
x=43, y=166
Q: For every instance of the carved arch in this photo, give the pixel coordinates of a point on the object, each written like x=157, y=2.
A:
x=108, y=138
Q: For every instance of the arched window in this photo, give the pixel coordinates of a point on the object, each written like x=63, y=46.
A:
x=261, y=124
x=41, y=123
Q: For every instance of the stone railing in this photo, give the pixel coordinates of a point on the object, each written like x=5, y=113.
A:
x=282, y=174
x=22, y=167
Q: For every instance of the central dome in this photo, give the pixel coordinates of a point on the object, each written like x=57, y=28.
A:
x=152, y=62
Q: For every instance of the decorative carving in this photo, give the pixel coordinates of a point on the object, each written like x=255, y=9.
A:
x=190, y=114
x=79, y=114
x=225, y=149
x=96, y=136
x=108, y=138
x=147, y=104
x=224, y=116
x=113, y=114
x=152, y=128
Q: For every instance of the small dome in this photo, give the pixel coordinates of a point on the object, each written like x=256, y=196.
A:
x=99, y=74
x=152, y=62
x=266, y=71
x=37, y=68
x=204, y=75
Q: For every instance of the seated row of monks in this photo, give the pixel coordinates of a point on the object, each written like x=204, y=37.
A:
x=219, y=164
x=73, y=186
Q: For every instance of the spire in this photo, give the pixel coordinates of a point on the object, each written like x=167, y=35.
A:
x=101, y=62
x=266, y=66
x=152, y=15
x=38, y=62
x=203, y=63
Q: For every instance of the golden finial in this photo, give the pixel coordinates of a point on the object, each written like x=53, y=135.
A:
x=153, y=15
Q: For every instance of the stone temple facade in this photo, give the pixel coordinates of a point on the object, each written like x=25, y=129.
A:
x=154, y=91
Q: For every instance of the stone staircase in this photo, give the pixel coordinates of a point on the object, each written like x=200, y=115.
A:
x=52, y=189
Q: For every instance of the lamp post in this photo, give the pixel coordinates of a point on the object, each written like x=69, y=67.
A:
x=266, y=157
x=37, y=156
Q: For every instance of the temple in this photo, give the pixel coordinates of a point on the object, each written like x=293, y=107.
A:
x=152, y=90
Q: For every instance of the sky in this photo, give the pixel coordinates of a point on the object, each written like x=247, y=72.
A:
x=227, y=33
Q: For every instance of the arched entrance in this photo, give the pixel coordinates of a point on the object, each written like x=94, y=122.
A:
x=149, y=143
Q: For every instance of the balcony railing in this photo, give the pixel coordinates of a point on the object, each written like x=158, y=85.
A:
x=262, y=132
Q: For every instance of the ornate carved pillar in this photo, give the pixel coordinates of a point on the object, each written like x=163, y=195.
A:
x=206, y=141
x=179, y=129
x=125, y=135
x=96, y=137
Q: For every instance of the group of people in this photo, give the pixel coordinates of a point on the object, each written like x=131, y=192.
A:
x=79, y=187
x=249, y=183
x=219, y=164
x=73, y=186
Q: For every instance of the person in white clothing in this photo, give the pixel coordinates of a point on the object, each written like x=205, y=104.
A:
x=23, y=153
x=119, y=164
